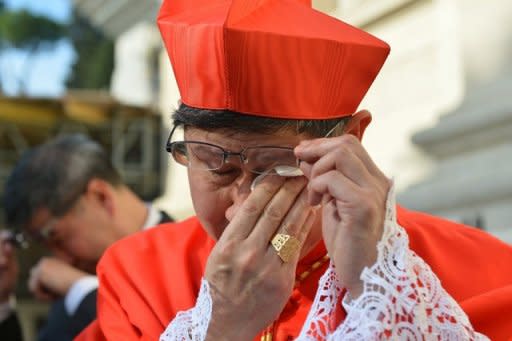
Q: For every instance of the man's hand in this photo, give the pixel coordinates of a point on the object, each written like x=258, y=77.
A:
x=8, y=267
x=249, y=283
x=51, y=278
x=353, y=192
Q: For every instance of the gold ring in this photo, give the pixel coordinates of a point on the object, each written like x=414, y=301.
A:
x=285, y=245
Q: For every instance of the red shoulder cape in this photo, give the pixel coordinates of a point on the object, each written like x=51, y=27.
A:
x=147, y=278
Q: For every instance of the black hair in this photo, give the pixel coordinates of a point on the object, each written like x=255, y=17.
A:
x=208, y=119
x=53, y=176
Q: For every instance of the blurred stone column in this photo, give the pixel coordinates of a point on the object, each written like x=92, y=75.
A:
x=471, y=145
x=176, y=198
x=135, y=76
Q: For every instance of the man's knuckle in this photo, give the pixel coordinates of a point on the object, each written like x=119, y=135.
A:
x=226, y=249
x=349, y=139
x=248, y=260
x=250, y=209
x=274, y=213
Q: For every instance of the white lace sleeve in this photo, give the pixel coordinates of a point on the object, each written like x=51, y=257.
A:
x=402, y=299
x=192, y=324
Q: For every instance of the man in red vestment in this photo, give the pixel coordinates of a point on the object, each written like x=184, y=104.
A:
x=296, y=234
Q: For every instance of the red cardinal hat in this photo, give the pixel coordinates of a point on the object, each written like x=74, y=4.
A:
x=271, y=58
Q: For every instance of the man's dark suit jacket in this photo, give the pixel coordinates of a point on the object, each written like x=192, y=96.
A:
x=61, y=326
x=10, y=329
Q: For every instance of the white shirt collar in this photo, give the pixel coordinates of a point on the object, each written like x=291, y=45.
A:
x=153, y=218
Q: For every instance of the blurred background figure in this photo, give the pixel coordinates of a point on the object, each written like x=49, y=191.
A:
x=98, y=68
x=10, y=328
x=67, y=196
x=55, y=74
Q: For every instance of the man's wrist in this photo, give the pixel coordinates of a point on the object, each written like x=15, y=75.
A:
x=220, y=329
x=225, y=334
x=7, y=307
x=78, y=291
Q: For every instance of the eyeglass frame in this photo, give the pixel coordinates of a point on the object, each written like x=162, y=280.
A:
x=227, y=153
x=22, y=240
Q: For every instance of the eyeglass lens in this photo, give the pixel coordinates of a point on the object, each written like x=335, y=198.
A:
x=209, y=157
x=259, y=160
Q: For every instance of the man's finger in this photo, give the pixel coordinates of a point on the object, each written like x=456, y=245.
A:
x=312, y=150
x=279, y=208
x=251, y=209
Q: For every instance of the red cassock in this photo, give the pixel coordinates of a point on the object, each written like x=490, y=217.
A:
x=147, y=278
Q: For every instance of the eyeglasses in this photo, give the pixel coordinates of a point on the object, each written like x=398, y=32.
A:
x=258, y=159
x=16, y=239
x=21, y=240
x=207, y=156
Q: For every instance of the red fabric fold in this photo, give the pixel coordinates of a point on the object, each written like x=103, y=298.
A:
x=147, y=278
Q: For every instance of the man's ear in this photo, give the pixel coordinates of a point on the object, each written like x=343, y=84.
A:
x=102, y=193
x=358, y=123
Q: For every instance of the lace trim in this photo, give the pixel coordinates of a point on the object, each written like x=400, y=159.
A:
x=320, y=317
x=402, y=298
x=191, y=324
